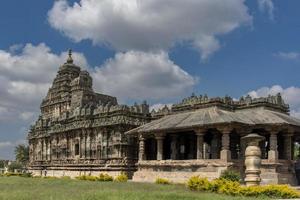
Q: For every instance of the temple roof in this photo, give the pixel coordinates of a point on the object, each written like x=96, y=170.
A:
x=216, y=115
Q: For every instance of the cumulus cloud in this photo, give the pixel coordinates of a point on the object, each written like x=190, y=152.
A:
x=25, y=77
x=291, y=95
x=288, y=55
x=139, y=75
x=266, y=6
x=27, y=73
x=150, y=24
x=6, y=148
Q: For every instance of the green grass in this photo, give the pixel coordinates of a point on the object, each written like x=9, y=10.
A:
x=58, y=189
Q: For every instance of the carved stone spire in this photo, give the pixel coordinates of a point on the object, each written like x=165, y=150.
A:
x=70, y=59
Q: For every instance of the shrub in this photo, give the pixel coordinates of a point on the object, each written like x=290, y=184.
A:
x=121, y=178
x=82, y=177
x=8, y=174
x=26, y=175
x=162, y=181
x=199, y=184
x=105, y=177
x=274, y=191
x=91, y=178
x=224, y=186
x=230, y=175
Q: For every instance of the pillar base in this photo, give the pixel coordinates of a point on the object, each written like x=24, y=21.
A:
x=272, y=155
x=226, y=155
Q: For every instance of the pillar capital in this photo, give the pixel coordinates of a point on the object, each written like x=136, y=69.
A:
x=225, y=130
x=160, y=136
x=141, y=137
x=200, y=131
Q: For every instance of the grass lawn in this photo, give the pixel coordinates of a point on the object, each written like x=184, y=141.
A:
x=58, y=189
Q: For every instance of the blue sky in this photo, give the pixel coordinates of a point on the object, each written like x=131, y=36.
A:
x=245, y=47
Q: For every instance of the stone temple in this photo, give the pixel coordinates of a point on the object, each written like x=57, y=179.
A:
x=82, y=132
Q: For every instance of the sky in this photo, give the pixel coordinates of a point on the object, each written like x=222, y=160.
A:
x=154, y=50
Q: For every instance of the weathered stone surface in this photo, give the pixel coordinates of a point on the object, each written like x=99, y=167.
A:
x=80, y=130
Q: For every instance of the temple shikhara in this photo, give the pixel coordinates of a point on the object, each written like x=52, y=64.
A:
x=82, y=132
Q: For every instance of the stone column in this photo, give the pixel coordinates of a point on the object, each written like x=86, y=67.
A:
x=44, y=149
x=141, y=148
x=174, y=147
x=273, y=152
x=225, y=152
x=191, y=147
x=200, y=134
x=159, y=138
x=88, y=144
x=82, y=144
x=288, y=146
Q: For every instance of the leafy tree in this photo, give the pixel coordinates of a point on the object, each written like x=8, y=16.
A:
x=2, y=163
x=22, y=154
x=13, y=166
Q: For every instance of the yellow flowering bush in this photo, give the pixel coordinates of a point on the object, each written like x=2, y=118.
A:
x=105, y=177
x=223, y=186
x=162, y=181
x=121, y=178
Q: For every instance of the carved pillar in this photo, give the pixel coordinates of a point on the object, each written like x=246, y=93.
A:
x=288, y=146
x=44, y=149
x=225, y=152
x=88, y=144
x=273, y=152
x=141, y=148
x=160, y=139
x=82, y=144
x=200, y=134
x=174, y=147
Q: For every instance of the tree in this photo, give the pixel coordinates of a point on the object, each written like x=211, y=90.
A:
x=22, y=154
x=2, y=163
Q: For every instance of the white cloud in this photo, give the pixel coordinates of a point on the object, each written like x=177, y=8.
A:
x=291, y=95
x=26, y=72
x=266, y=6
x=5, y=144
x=288, y=55
x=139, y=75
x=150, y=24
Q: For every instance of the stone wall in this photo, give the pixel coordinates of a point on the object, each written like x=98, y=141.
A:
x=179, y=171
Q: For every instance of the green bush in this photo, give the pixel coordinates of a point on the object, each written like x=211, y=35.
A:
x=230, y=175
x=121, y=178
x=223, y=186
x=162, y=181
x=105, y=177
x=82, y=177
x=26, y=175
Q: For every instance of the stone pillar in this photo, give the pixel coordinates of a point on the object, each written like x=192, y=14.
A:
x=174, y=147
x=225, y=152
x=191, y=147
x=44, y=149
x=160, y=140
x=200, y=134
x=88, y=144
x=141, y=148
x=288, y=146
x=82, y=144
x=273, y=152
x=253, y=159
